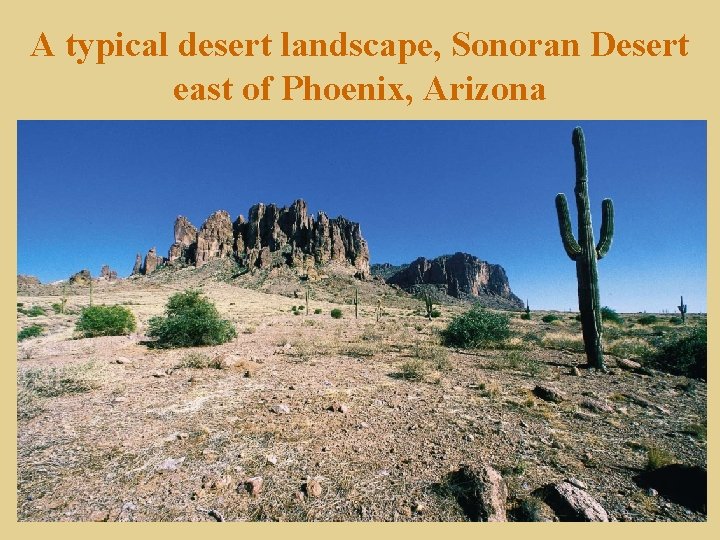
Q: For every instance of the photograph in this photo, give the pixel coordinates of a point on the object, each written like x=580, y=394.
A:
x=362, y=320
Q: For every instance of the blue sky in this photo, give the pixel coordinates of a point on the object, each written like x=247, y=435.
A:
x=93, y=192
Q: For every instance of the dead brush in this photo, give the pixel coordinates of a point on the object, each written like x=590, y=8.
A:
x=62, y=381
x=201, y=361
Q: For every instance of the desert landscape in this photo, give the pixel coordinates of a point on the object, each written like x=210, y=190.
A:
x=340, y=393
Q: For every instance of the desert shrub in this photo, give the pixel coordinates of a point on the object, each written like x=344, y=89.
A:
x=202, y=361
x=318, y=311
x=34, y=311
x=684, y=353
x=57, y=308
x=296, y=312
x=675, y=320
x=435, y=313
x=435, y=355
x=657, y=457
x=336, y=313
x=647, y=319
x=415, y=369
x=518, y=361
x=105, y=321
x=300, y=308
x=550, y=318
x=525, y=316
x=610, y=315
x=30, y=332
x=476, y=328
x=62, y=381
x=629, y=347
x=190, y=320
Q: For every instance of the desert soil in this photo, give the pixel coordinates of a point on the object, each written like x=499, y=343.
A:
x=326, y=413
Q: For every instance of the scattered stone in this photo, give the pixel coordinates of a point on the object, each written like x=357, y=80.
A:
x=272, y=459
x=574, y=371
x=287, y=346
x=627, y=364
x=99, y=515
x=469, y=437
x=217, y=516
x=119, y=399
x=299, y=496
x=651, y=492
x=280, y=408
x=405, y=511
x=253, y=485
x=418, y=507
x=596, y=406
x=215, y=482
x=481, y=492
x=122, y=360
x=548, y=394
x=583, y=416
x=577, y=483
x=572, y=503
x=339, y=407
x=159, y=374
x=170, y=464
x=312, y=487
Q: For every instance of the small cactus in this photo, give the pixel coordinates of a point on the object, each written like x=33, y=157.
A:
x=682, y=308
x=585, y=253
x=428, y=304
x=355, y=301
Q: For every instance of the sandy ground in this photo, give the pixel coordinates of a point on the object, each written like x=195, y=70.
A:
x=323, y=411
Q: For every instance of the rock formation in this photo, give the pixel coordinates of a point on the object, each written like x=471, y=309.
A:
x=25, y=281
x=270, y=234
x=82, y=277
x=108, y=273
x=461, y=276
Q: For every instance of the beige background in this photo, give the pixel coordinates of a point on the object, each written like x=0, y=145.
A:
x=141, y=88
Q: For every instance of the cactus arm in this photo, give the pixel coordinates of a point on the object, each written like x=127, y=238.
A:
x=572, y=248
x=607, y=229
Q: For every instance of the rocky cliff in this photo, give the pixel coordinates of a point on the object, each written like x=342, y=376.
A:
x=460, y=275
x=300, y=239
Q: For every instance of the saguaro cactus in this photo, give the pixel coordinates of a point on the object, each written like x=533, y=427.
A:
x=682, y=308
x=355, y=301
x=585, y=253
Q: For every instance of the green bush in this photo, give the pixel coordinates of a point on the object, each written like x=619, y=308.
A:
x=684, y=353
x=610, y=315
x=336, y=313
x=30, y=332
x=525, y=316
x=550, y=318
x=318, y=311
x=647, y=319
x=476, y=328
x=34, y=311
x=190, y=320
x=105, y=321
x=435, y=313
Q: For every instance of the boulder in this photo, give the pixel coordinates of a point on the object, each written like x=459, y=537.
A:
x=571, y=503
x=481, y=492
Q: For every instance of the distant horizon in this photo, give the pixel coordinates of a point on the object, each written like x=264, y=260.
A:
x=98, y=192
